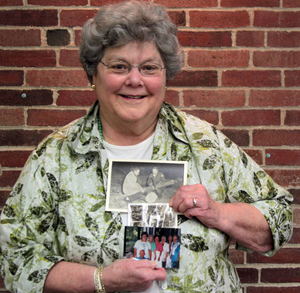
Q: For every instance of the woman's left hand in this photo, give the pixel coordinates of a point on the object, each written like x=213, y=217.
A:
x=194, y=201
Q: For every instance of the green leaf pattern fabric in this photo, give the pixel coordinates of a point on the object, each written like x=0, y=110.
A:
x=56, y=210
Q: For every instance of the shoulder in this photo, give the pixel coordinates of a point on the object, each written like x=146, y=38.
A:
x=192, y=127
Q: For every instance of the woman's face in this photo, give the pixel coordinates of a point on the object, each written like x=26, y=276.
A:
x=131, y=97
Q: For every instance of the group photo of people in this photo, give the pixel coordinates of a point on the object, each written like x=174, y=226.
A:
x=160, y=245
x=143, y=182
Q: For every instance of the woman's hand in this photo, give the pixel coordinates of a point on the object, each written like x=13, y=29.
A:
x=206, y=209
x=241, y=221
x=131, y=275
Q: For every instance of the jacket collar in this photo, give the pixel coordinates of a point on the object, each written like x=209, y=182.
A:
x=88, y=135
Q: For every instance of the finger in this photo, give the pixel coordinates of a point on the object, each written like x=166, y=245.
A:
x=160, y=274
x=146, y=264
x=186, y=204
x=176, y=199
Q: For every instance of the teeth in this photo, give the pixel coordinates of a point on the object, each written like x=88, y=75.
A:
x=133, y=97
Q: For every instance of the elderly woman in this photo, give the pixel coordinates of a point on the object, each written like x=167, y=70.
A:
x=55, y=233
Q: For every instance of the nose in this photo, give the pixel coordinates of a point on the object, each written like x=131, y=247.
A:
x=134, y=77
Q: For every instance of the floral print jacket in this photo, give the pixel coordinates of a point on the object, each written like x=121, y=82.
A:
x=56, y=210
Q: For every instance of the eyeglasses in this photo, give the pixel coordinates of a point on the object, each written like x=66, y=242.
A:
x=147, y=69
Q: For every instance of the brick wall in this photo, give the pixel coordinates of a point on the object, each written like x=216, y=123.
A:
x=242, y=73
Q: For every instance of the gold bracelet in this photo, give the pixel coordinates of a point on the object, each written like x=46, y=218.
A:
x=101, y=280
x=98, y=280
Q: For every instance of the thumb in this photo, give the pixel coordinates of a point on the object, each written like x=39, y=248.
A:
x=147, y=264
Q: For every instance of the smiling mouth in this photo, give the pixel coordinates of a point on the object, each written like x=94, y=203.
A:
x=133, y=97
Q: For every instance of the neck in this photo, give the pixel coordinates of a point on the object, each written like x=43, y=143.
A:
x=126, y=134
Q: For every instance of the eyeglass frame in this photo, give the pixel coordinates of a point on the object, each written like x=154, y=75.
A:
x=131, y=66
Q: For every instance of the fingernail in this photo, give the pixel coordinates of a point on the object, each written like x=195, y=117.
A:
x=171, y=202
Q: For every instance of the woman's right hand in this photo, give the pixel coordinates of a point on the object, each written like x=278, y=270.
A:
x=131, y=275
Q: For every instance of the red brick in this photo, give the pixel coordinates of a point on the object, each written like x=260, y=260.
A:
x=281, y=157
x=58, y=2
x=13, y=159
x=11, y=78
x=276, y=137
x=209, y=116
x=274, y=98
x=9, y=178
x=104, y=2
x=11, y=3
x=291, y=3
x=72, y=18
x=214, y=98
x=36, y=58
x=205, y=39
x=52, y=117
x=280, y=275
x=178, y=17
x=20, y=38
x=276, y=59
x=219, y=19
x=250, y=38
x=251, y=78
x=237, y=256
x=296, y=218
x=284, y=255
x=19, y=137
x=296, y=236
x=292, y=118
x=276, y=19
x=40, y=18
x=250, y=3
x=172, y=97
x=256, y=155
x=69, y=58
x=283, y=39
x=280, y=289
x=248, y=275
x=240, y=137
x=292, y=78
x=286, y=177
x=56, y=78
x=195, y=78
x=29, y=98
x=76, y=98
x=3, y=198
x=296, y=195
x=251, y=117
x=12, y=117
x=214, y=58
x=77, y=37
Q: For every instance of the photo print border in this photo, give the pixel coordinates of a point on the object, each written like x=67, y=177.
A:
x=143, y=181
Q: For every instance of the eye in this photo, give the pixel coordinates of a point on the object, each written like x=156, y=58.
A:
x=150, y=68
x=118, y=66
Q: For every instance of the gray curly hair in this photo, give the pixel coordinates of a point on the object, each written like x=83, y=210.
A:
x=118, y=24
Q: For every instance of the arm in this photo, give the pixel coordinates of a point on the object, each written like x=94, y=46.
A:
x=242, y=189
x=121, y=275
x=241, y=221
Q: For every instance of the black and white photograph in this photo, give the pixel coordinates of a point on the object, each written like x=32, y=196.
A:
x=153, y=215
x=151, y=243
x=143, y=182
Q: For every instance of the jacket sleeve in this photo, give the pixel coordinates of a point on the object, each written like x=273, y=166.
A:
x=28, y=223
x=247, y=182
